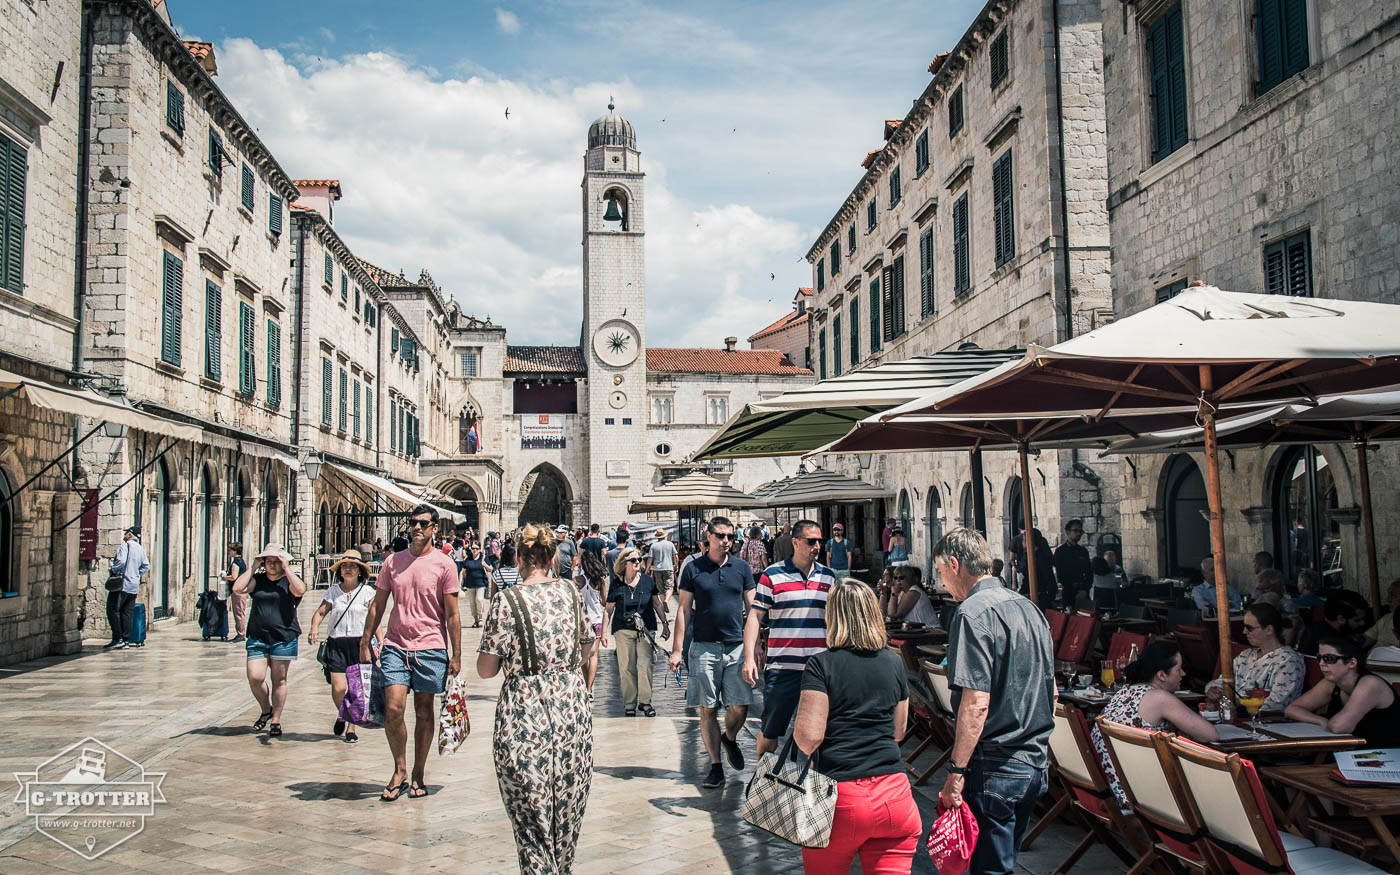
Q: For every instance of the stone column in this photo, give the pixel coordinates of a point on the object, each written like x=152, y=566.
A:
x=65, y=589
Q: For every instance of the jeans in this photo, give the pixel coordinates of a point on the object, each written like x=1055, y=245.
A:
x=1002, y=795
x=120, y=606
x=875, y=817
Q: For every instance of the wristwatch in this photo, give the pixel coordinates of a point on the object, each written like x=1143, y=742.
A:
x=957, y=770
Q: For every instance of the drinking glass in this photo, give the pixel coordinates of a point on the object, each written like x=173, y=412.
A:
x=1252, y=704
x=1066, y=668
x=1106, y=674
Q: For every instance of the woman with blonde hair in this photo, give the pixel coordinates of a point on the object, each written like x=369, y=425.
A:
x=633, y=604
x=543, y=741
x=851, y=717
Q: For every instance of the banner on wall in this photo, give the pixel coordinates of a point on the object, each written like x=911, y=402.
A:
x=542, y=431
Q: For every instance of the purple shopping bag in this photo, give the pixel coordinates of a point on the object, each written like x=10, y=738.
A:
x=363, y=682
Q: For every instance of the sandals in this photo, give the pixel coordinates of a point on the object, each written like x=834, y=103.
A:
x=261, y=722
x=629, y=711
x=417, y=791
x=394, y=792
x=647, y=710
x=274, y=731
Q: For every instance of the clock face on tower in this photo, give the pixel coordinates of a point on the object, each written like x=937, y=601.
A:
x=617, y=343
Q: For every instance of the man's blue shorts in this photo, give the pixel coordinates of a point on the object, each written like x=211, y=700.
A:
x=422, y=671
x=782, y=688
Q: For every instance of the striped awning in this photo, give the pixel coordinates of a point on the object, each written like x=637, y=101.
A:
x=818, y=486
x=692, y=490
x=802, y=420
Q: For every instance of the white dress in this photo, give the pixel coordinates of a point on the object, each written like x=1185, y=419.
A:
x=923, y=611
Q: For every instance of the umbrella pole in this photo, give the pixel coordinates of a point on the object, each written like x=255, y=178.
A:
x=1368, y=522
x=1217, y=529
x=1027, y=533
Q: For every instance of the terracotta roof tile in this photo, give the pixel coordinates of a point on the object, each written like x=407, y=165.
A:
x=723, y=361
x=870, y=158
x=332, y=184
x=792, y=317
x=198, y=49
x=891, y=125
x=384, y=278
x=937, y=62
x=543, y=360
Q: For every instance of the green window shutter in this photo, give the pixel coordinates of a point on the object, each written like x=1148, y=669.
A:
x=344, y=286
x=821, y=274
x=875, y=315
x=393, y=432
x=1283, y=40
x=330, y=270
x=955, y=112
x=14, y=170
x=344, y=399
x=1000, y=59
x=325, y=391
x=1003, y=209
x=887, y=303
x=851, y=240
x=216, y=153
x=173, y=308
x=1288, y=266
x=369, y=417
x=897, y=275
x=921, y=153
x=895, y=190
x=1168, y=59
x=174, y=108
x=274, y=363
x=926, y=273
x=357, y=299
x=962, y=266
x=393, y=341
x=247, y=359
x=836, y=345
x=855, y=331
x=248, y=188
x=213, y=330
x=821, y=354
x=274, y=214
x=355, y=419
x=835, y=257
x=1167, y=292
x=870, y=215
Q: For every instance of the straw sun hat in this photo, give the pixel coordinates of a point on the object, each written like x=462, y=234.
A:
x=275, y=550
x=351, y=557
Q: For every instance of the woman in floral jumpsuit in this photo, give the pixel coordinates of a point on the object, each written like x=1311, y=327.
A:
x=543, y=742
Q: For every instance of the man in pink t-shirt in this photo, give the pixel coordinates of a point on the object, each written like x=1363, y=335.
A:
x=424, y=585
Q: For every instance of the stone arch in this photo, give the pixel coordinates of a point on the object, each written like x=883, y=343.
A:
x=1013, y=514
x=625, y=199
x=546, y=496
x=14, y=525
x=1183, y=532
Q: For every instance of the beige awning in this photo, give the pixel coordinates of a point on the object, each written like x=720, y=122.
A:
x=693, y=490
x=389, y=489
x=85, y=402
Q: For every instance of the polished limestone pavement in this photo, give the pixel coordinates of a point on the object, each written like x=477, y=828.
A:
x=307, y=802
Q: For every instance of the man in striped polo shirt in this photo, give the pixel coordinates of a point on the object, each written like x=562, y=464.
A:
x=792, y=594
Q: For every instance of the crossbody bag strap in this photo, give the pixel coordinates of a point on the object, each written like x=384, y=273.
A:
x=345, y=610
x=524, y=631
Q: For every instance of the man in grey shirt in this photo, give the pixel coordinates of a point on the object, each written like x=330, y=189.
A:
x=1001, y=673
x=565, y=554
x=661, y=563
x=131, y=563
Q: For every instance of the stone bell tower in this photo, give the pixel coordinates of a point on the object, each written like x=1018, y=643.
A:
x=614, y=317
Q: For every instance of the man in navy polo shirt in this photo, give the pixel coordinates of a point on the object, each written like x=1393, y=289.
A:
x=792, y=594
x=719, y=587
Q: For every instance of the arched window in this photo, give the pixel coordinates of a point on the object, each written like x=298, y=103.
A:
x=9, y=580
x=934, y=523
x=1186, y=527
x=906, y=512
x=1015, y=509
x=468, y=432
x=325, y=528
x=968, y=511
x=1306, y=535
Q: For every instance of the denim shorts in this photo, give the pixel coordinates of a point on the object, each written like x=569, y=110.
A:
x=285, y=651
x=715, y=678
x=782, y=688
x=422, y=671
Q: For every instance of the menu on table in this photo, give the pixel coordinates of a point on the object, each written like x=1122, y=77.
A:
x=1375, y=766
x=1302, y=730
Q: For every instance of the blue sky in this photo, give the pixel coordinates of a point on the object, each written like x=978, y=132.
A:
x=751, y=119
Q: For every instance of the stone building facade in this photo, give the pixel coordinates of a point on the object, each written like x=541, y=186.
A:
x=1255, y=154
x=789, y=334
x=980, y=220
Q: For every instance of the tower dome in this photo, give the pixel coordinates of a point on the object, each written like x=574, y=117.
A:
x=611, y=130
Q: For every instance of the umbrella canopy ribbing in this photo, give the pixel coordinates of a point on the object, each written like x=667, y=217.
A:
x=818, y=486
x=693, y=490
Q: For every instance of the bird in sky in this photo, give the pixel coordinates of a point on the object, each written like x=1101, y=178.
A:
x=507, y=113
x=772, y=276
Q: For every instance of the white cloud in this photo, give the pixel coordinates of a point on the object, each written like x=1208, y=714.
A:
x=328, y=34
x=435, y=176
x=507, y=21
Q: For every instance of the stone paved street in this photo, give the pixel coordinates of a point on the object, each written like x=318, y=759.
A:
x=307, y=802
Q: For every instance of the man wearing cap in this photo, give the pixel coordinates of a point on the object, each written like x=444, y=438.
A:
x=132, y=564
x=565, y=554
x=424, y=621
x=661, y=563
x=838, y=552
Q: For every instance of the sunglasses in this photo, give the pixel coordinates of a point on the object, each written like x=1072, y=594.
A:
x=421, y=524
x=634, y=561
x=1249, y=628
x=722, y=536
x=813, y=542
x=1330, y=658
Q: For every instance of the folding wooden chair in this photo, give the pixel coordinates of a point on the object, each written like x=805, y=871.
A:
x=1222, y=798
x=1143, y=777
x=941, y=720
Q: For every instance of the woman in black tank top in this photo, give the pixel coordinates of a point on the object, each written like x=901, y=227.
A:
x=1349, y=698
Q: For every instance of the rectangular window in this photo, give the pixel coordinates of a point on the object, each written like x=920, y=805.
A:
x=326, y=392
x=247, y=191
x=174, y=108
x=344, y=421
x=609, y=420
x=355, y=418
x=1167, y=57
x=835, y=257
x=344, y=286
x=955, y=112
x=1000, y=55
x=662, y=409
x=274, y=215
x=895, y=193
x=836, y=345
x=875, y=315
x=216, y=153
x=851, y=241
x=247, y=359
x=469, y=364
x=855, y=331
x=821, y=354
x=14, y=168
x=821, y=274
x=274, y=363
x=962, y=254
x=369, y=416
x=870, y=215
x=1167, y=292
x=393, y=341
x=393, y=428
x=357, y=299
x=1283, y=40
x=213, y=330
x=1003, y=208
x=1288, y=266
x=172, y=308
x=921, y=154
x=892, y=294
x=926, y=303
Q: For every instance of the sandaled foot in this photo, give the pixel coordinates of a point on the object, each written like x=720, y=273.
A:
x=647, y=710
x=392, y=793
x=629, y=711
x=416, y=790
x=261, y=722
x=274, y=731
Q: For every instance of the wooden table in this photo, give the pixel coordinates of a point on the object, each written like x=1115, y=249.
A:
x=1315, y=782
x=1128, y=623
x=907, y=641
x=1276, y=745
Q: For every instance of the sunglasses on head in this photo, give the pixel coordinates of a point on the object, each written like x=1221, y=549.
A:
x=1330, y=658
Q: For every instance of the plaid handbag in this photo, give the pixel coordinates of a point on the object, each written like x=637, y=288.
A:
x=789, y=800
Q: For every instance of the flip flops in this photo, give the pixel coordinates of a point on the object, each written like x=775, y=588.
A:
x=394, y=792
x=417, y=791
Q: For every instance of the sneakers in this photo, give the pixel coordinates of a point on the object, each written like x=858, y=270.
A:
x=237, y=640
x=338, y=728
x=350, y=736
x=715, y=778
x=732, y=752
x=112, y=645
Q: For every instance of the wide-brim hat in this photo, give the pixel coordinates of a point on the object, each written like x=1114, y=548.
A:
x=352, y=557
x=276, y=550
x=659, y=533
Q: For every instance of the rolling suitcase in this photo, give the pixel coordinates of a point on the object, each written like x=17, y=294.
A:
x=138, y=626
x=213, y=616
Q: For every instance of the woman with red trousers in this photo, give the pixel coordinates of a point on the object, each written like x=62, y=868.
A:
x=851, y=717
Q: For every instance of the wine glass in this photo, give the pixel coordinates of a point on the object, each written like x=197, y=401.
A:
x=1066, y=668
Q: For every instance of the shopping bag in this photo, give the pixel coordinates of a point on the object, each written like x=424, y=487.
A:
x=793, y=802
x=376, y=696
x=951, y=839
x=357, y=706
x=453, y=723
